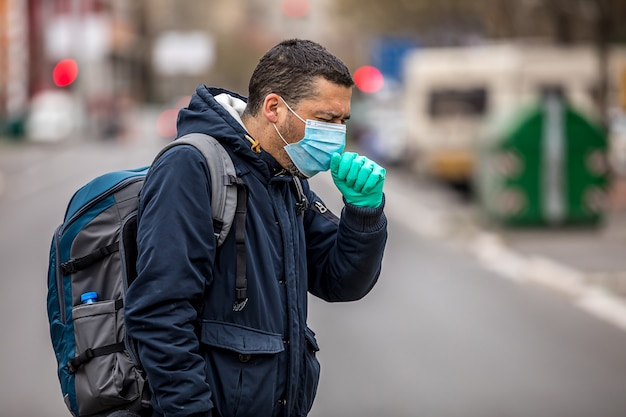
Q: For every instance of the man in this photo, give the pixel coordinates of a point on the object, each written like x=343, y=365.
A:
x=203, y=357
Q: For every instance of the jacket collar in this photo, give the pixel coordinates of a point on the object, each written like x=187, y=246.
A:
x=217, y=112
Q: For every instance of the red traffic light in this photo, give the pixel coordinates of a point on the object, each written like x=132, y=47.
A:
x=65, y=72
x=368, y=79
x=295, y=8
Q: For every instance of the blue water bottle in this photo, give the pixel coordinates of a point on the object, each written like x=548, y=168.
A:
x=89, y=297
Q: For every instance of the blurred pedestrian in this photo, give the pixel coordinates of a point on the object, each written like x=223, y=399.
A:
x=204, y=353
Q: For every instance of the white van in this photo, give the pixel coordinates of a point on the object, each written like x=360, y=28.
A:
x=451, y=92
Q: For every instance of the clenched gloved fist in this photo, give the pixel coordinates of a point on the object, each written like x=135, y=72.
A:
x=359, y=179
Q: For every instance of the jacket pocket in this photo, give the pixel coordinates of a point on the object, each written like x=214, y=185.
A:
x=310, y=375
x=241, y=368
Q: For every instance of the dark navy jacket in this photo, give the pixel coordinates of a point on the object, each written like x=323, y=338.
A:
x=199, y=354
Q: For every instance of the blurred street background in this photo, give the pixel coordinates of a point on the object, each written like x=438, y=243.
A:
x=502, y=124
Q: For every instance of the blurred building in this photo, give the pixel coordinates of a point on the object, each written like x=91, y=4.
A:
x=140, y=51
x=14, y=64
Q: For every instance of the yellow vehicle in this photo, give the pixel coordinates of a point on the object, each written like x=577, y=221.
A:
x=451, y=92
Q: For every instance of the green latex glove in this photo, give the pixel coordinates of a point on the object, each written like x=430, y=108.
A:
x=359, y=179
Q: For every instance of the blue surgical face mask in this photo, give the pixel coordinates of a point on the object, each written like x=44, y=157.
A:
x=312, y=154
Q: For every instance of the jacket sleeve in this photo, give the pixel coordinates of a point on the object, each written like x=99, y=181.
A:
x=344, y=257
x=176, y=251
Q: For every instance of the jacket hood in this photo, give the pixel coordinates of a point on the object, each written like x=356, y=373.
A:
x=217, y=112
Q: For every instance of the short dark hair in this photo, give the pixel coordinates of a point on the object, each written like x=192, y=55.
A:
x=290, y=68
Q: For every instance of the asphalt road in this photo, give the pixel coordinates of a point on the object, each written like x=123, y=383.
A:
x=441, y=335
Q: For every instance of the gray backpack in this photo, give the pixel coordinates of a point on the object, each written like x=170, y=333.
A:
x=93, y=254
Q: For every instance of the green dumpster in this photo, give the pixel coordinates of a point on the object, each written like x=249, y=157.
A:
x=547, y=165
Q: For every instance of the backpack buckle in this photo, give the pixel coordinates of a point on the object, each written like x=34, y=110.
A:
x=75, y=363
x=242, y=299
x=240, y=305
x=68, y=268
x=70, y=368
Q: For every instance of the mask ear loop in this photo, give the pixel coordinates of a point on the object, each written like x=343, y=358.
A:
x=291, y=110
x=281, y=136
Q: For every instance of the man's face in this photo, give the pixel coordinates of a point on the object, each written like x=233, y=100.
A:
x=331, y=104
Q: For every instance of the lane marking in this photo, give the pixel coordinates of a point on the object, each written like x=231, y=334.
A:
x=495, y=256
x=605, y=306
x=546, y=273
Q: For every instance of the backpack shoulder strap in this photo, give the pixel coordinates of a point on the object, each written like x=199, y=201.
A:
x=223, y=179
x=229, y=201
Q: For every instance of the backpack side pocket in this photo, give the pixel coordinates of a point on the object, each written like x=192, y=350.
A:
x=107, y=377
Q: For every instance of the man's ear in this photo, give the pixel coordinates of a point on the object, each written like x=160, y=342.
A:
x=271, y=107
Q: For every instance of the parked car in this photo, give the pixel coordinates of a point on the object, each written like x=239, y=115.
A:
x=53, y=116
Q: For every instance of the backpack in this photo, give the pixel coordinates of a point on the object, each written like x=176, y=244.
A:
x=94, y=251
